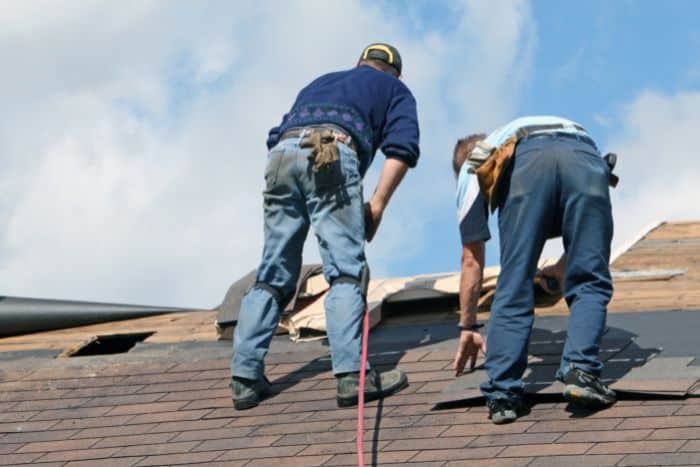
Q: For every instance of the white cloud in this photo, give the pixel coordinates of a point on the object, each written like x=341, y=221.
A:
x=132, y=139
x=602, y=120
x=469, y=80
x=492, y=54
x=657, y=164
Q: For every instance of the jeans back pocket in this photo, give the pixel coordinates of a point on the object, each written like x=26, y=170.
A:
x=274, y=160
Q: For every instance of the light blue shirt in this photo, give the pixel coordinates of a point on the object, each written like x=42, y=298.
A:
x=472, y=209
x=501, y=135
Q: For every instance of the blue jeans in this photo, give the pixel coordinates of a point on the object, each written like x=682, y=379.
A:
x=294, y=198
x=554, y=186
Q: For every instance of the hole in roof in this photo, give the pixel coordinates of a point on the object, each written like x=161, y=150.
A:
x=109, y=344
x=422, y=311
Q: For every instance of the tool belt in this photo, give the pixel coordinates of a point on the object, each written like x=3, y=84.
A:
x=322, y=141
x=611, y=159
x=490, y=170
x=490, y=163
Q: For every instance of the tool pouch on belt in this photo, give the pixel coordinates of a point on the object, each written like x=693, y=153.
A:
x=490, y=172
x=324, y=151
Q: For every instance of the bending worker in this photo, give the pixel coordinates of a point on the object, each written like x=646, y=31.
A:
x=547, y=178
x=318, y=157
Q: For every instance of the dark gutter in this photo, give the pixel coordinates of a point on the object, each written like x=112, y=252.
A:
x=27, y=315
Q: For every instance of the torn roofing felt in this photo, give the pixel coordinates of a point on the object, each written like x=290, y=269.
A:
x=304, y=316
x=26, y=315
x=227, y=312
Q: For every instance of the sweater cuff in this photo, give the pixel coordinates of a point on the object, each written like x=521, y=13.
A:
x=409, y=159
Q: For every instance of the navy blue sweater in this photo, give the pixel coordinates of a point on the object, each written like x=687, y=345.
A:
x=377, y=109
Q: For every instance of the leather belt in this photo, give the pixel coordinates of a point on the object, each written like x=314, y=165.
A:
x=339, y=134
x=541, y=130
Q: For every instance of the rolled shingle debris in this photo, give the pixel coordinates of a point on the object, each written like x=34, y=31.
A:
x=20, y=315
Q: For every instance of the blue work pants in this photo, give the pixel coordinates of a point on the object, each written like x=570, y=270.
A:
x=555, y=185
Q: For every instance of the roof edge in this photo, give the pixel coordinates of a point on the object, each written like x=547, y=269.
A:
x=622, y=249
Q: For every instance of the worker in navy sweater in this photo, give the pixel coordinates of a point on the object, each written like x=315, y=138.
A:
x=317, y=158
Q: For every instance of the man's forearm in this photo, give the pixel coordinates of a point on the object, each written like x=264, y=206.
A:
x=392, y=174
x=470, y=282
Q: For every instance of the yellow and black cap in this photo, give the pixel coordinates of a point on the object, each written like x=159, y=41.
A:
x=383, y=52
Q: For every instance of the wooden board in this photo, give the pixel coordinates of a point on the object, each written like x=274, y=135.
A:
x=673, y=245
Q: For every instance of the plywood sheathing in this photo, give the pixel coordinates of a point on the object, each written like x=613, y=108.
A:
x=673, y=245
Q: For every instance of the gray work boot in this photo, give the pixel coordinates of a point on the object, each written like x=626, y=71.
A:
x=247, y=393
x=377, y=385
x=504, y=411
x=585, y=389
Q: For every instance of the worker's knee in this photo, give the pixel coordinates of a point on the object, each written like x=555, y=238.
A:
x=277, y=295
x=344, y=304
x=362, y=282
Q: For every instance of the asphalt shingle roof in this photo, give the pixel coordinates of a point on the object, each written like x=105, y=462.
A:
x=170, y=412
x=167, y=401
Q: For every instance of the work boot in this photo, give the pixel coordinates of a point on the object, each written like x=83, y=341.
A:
x=503, y=411
x=586, y=390
x=247, y=393
x=377, y=385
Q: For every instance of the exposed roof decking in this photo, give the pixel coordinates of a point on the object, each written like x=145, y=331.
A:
x=670, y=246
x=673, y=245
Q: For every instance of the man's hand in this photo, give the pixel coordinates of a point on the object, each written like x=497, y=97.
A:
x=392, y=174
x=555, y=271
x=373, y=216
x=541, y=277
x=469, y=289
x=470, y=342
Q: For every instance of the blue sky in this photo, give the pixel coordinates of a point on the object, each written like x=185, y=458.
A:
x=588, y=62
x=132, y=139
x=607, y=52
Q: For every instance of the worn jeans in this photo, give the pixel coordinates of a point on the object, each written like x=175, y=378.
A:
x=295, y=198
x=555, y=185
